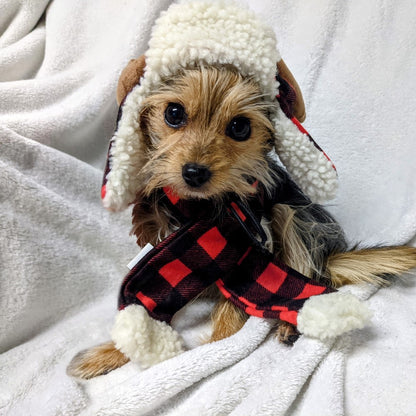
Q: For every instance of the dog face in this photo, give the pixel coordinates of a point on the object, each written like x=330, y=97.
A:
x=206, y=132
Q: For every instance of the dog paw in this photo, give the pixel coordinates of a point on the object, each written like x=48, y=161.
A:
x=96, y=361
x=287, y=333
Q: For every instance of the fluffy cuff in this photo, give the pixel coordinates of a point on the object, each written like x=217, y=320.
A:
x=330, y=315
x=143, y=339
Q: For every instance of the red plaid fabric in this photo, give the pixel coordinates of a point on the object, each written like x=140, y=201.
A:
x=223, y=250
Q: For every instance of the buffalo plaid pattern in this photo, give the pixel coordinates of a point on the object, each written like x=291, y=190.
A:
x=221, y=250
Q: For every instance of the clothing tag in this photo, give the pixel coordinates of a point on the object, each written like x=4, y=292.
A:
x=140, y=255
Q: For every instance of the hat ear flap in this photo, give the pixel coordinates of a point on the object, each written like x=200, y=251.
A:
x=125, y=153
x=305, y=161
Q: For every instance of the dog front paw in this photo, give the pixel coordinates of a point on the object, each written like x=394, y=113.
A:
x=287, y=333
x=96, y=361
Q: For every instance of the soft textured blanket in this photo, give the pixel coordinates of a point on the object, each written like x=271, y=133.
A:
x=59, y=63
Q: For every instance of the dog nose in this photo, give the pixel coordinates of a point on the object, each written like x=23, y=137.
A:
x=195, y=175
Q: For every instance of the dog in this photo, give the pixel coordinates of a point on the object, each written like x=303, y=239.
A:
x=205, y=131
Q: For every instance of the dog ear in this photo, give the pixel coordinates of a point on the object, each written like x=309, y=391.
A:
x=290, y=94
x=130, y=77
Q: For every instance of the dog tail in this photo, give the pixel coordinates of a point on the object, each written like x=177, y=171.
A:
x=96, y=361
x=373, y=265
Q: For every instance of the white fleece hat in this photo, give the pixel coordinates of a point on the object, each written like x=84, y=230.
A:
x=196, y=33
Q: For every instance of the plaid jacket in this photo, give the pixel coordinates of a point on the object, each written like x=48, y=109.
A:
x=225, y=250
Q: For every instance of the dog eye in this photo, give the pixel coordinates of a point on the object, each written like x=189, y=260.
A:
x=239, y=129
x=175, y=115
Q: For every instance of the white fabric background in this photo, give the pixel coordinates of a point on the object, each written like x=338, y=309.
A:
x=62, y=256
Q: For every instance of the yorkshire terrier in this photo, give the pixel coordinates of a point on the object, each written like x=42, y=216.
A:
x=206, y=130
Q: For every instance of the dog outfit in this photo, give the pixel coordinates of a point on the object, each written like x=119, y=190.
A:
x=221, y=249
x=190, y=35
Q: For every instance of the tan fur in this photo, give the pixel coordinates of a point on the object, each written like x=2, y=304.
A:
x=211, y=98
x=374, y=265
x=227, y=319
x=96, y=361
x=131, y=74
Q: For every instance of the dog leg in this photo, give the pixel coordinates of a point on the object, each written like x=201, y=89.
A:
x=227, y=319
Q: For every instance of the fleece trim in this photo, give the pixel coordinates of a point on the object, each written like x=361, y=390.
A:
x=311, y=168
x=328, y=316
x=143, y=339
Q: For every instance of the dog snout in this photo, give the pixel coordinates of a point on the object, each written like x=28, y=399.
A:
x=195, y=175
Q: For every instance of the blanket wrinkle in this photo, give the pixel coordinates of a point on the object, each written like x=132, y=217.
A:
x=18, y=18
x=50, y=223
x=89, y=55
x=63, y=256
x=22, y=59
x=332, y=19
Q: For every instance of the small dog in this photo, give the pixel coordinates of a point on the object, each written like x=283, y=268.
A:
x=205, y=131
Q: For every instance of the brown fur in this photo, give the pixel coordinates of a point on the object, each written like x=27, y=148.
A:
x=287, y=333
x=375, y=265
x=211, y=98
x=96, y=361
x=150, y=222
x=227, y=319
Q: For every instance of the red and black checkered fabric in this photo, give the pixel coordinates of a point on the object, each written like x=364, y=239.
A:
x=286, y=97
x=207, y=250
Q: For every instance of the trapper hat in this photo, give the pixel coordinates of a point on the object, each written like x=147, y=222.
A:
x=194, y=33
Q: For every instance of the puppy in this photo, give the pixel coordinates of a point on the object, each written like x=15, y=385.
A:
x=205, y=132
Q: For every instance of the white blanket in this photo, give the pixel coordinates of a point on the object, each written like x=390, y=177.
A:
x=63, y=257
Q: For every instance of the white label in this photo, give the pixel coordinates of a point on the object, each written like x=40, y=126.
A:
x=140, y=255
